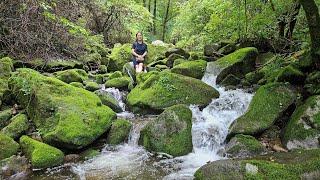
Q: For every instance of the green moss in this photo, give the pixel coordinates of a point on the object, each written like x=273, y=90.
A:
x=121, y=82
x=305, y=115
x=165, y=89
x=6, y=67
x=266, y=107
x=72, y=75
x=195, y=69
x=254, y=77
x=170, y=132
x=108, y=100
x=230, y=80
x=40, y=154
x=64, y=115
x=178, y=61
x=238, y=63
x=92, y=58
x=19, y=125
x=77, y=84
x=89, y=154
x=116, y=74
x=245, y=146
x=119, y=132
x=8, y=146
x=102, y=69
x=100, y=78
x=92, y=86
x=5, y=117
x=290, y=74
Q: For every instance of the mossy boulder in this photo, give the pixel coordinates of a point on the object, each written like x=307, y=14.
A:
x=290, y=74
x=89, y=154
x=312, y=83
x=119, y=131
x=172, y=58
x=102, y=69
x=72, y=75
x=227, y=49
x=254, y=77
x=303, y=164
x=267, y=106
x=170, y=132
x=18, y=126
x=178, y=61
x=195, y=69
x=121, y=82
x=243, y=146
x=8, y=146
x=65, y=116
x=108, y=100
x=303, y=129
x=5, y=117
x=116, y=74
x=41, y=155
x=6, y=67
x=178, y=51
x=91, y=86
x=165, y=89
x=77, y=84
x=100, y=78
x=238, y=63
x=231, y=80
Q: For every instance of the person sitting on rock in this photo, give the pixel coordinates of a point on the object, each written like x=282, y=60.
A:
x=139, y=52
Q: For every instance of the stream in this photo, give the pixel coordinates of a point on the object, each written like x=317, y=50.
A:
x=131, y=161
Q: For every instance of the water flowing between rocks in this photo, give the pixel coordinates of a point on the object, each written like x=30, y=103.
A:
x=209, y=131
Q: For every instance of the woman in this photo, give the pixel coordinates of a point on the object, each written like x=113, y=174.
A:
x=139, y=52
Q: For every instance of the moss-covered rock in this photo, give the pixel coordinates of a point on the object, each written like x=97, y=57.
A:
x=129, y=70
x=165, y=89
x=303, y=129
x=77, y=84
x=108, y=100
x=170, y=132
x=116, y=74
x=177, y=51
x=231, y=80
x=102, y=69
x=40, y=154
x=5, y=118
x=243, y=146
x=121, y=82
x=227, y=49
x=100, y=78
x=89, y=154
x=195, y=69
x=210, y=49
x=172, y=58
x=18, y=126
x=238, y=63
x=254, y=77
x=159, y=62
x=293, y=165
x=119, y=132
x=267, y=106
x=290, y=74
x=195, y=55
x=72, y=75
x=178, y=61
x=64, y=115
x=8, y=146
x=15, y=167
x=91, y=86
x=6, y=67
x=312, y=84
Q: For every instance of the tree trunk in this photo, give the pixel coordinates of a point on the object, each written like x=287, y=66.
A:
x=149, y=6
x=154, y=16
x=144, y=3
x=312, y=14
x=293, y=19
x=165, y=20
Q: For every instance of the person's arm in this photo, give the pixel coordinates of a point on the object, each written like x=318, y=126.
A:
x=134, y=53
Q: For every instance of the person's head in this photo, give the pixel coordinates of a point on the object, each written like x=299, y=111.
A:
x=139, y=36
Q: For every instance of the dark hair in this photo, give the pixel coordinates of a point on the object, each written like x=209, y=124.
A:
x=137, y=36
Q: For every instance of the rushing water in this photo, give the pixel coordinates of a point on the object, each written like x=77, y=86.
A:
x=209, y=131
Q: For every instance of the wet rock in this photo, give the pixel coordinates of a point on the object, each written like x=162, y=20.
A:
x=119, y=131
x=164, y=89
x=170, y=132
x=292, y=165
x=231, y=80
x=89, y=154
x=195, y=69
x=303, y=129
x=15, y=168
x=210, y=49
x=71, y=158
x=172, y=58
x=108, y=100
x=18, y=126
x=267, y=106
x=40, y=154
x=238, y=63
x=121, y=82
x=92, y=86
x=8, y=146
x=178, y=51
x=243, y=146
x=227, y=49
x=72, y=75
x=66, y=116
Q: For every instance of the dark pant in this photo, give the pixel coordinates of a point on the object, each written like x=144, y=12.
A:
x=135, y=62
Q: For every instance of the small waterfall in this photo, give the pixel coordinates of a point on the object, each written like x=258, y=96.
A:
x=135, y=132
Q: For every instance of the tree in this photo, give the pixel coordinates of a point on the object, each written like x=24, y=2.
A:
x=313, y=18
